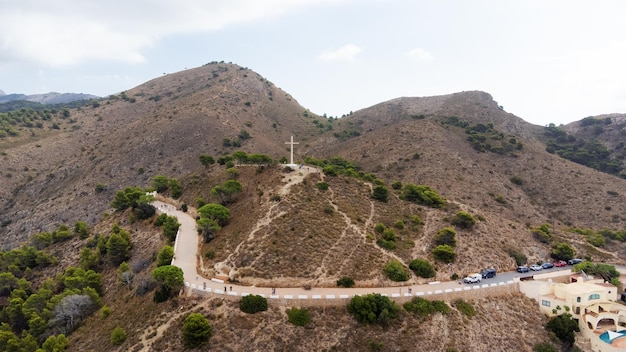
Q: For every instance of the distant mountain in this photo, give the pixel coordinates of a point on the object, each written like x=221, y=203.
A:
x=47, y=98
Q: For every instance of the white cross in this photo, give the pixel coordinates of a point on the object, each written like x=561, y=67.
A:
x=292, y=143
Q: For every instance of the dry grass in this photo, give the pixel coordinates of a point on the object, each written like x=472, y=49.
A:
x=332, y=329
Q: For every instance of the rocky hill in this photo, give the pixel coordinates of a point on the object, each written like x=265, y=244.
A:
x=65, y=165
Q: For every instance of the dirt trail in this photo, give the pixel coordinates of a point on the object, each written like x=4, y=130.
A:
x=227, y=266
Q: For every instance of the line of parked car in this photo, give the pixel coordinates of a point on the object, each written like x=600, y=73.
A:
x=537, y=267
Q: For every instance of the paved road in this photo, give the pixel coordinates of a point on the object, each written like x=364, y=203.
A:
x=186, y=257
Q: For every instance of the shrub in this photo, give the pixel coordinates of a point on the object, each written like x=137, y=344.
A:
x=562, y=251
x=373, y=308
x=465, y=308
x=253, y=304
x=395, y=271
x=422, y=194
x=388, y=245
x=446, y=236
x=380, y=227
x=396, y=185
x=544, y=347
x=170, y=228
x=399, y=224
x=380, y=193
x=444, y=253
x=299, y=317
x=118, y=336
x=106, y=311
x=322, y=186
x=345, y=282
x=389, y=235
x=515, y=253
x=463, y=220
x=596, y=240
x=196, y=330
x=423, y=307
x=160, y=220
x=422, y=268
x=517, y=180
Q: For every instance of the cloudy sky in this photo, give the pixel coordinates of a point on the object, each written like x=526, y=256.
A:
x=545, y=61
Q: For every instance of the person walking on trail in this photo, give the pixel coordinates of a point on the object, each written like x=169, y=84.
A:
x=231, y=289
x=224, y=288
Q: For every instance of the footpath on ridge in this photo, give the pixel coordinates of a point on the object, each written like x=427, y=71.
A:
x=186, y=257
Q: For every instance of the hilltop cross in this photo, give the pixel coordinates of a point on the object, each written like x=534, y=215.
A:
x=292, y=143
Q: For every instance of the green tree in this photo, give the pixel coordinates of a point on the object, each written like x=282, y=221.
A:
x=373, y=308
x=160, y=183
x=118, y=336
x=165, y=256
x=81, y=230
x=196, y=330
x=444, y=253
x=563, y=327
x=175, y=188
x=56, y=343
x=463, y=220
x=227, y=191
x=170, y=278
x=422, y=268
x=208, y=228
x=380, y=193
x=206, y=160
x=170, y=228
x=124, y=274
x=605, y=271
x=118, y=246
x=395, y=271
x=89, y=259
x=299, y=316
x=216, y=212
x=562, y=251
x=130, y=197
x=79, y=279
x=253, y=304
x=446, y=236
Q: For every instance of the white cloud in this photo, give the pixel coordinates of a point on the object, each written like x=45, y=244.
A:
x=64, y=32
x=346, y=53
x=420, y=54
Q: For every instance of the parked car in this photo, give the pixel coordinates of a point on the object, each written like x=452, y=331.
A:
x=574, y=261
x=522, y=269
x=536, y=267
x=560, y=263
x=472, y=279
x=488, y=273
x=547, y=265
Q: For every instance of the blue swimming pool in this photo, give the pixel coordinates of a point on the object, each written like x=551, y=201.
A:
x=609, y=336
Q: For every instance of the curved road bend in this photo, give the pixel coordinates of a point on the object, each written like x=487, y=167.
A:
x=186, y=252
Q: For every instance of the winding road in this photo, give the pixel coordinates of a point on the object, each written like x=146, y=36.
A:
x=187, y=258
